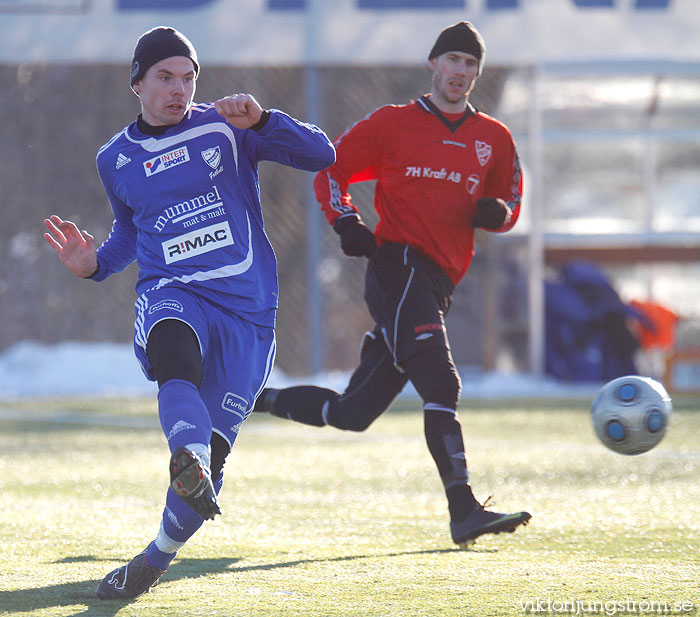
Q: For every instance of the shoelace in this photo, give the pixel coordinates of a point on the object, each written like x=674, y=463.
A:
x=488, y=502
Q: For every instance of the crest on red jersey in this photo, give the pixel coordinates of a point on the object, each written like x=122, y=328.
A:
x=483, y=152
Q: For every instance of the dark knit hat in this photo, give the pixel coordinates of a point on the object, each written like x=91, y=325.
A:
x=461, y=37
x=158, y=44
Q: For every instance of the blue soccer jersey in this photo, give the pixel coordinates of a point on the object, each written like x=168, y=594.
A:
x=187, y=205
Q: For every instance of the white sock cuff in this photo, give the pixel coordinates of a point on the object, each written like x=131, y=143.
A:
x=438, y=407
x=165, y=543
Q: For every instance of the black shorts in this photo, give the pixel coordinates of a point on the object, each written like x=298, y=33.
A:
x=408, y=296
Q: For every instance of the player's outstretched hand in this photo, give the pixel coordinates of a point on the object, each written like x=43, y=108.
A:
x=239, y=110
x=75, y=248
x=492, y=213
x=356, y=239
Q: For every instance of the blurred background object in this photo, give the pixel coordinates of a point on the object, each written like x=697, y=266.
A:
x=607, y=126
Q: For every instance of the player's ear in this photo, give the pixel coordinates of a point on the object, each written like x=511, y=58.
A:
x=136, y=87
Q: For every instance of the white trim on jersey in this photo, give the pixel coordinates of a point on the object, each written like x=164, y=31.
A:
x=111, y=141
x=354, y=124
x=424, y=106
x=153, y=144
x=336, y=197
x=438, y=407
x=224, y=271
x=269, y=364
x=398, y=311
x=268, y=370
x=142, y=307
x=216, y=273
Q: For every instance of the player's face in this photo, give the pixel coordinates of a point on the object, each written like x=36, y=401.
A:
x=454, y=74
x=166, y=91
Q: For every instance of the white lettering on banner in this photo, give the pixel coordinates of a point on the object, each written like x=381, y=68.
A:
x=382, y=5
x=614, y=30
x=60, y=7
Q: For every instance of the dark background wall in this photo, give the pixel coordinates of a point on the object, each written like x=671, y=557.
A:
x=56, y=118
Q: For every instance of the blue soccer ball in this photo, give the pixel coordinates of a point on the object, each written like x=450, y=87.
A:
x=631, y=414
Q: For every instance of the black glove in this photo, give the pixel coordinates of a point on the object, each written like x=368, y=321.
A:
x=491, y=213
x=356, y=239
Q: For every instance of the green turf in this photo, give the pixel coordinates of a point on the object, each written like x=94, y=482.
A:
x=323, y=523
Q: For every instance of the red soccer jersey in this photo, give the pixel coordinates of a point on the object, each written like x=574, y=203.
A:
x=429, y=177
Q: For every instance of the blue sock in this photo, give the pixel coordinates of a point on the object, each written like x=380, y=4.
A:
x=179, y=524
x=158, y=559
x=183, y=415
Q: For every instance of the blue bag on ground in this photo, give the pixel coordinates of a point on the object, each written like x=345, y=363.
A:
x=587, y=337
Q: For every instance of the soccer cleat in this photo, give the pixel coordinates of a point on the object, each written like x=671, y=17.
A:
x=129, y=581
x=481, y=521
x=190, y=478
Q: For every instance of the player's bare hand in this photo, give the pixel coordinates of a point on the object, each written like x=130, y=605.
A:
x=75, y=248
x=239, y=110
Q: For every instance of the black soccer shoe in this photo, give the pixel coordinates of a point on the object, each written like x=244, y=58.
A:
x=129, y=581
x=190, y=478
x=481, y=521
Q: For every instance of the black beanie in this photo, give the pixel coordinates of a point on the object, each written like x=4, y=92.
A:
x=159, y=44
x=461, y=37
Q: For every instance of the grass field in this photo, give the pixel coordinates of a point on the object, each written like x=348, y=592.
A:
x=322, y=523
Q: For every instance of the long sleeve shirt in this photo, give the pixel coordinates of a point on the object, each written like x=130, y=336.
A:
x=430, y=171
x=187, y=206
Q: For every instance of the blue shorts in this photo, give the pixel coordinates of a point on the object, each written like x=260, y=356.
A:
x=237, y=354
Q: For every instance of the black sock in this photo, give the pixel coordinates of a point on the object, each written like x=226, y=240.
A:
x=460, y=502
x=305, y=404
x=443, y=434
x=266, y=400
